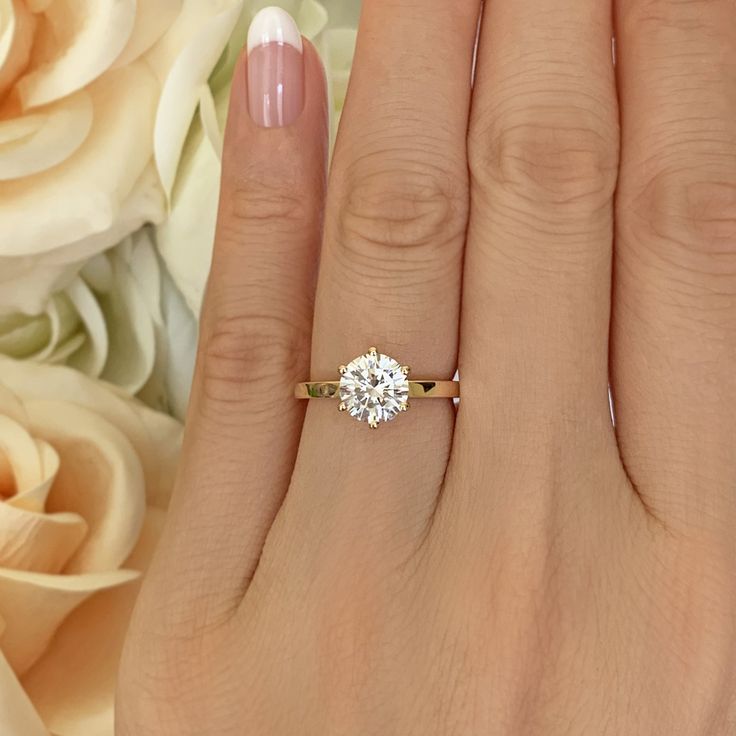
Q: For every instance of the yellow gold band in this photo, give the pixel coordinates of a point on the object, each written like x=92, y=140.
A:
x=417, y=390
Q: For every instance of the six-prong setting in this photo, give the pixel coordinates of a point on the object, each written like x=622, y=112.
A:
x=374, y=388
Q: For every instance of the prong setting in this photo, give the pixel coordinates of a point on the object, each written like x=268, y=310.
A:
x=374, y=388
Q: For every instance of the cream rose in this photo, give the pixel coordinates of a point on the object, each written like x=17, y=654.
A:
x=81, y=86
x=85, y=477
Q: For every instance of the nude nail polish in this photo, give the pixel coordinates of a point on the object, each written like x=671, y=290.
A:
x=275, y=69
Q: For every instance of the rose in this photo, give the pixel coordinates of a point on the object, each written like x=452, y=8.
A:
x=121, y=319
x=80, y=87
x=186, y=238
x=85, y=477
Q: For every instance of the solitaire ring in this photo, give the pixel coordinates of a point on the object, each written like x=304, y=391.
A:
x=376, y=388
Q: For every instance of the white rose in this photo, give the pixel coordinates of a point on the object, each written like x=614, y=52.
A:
x=81, y=84
x=85, y=478
x=186, y=238
x=121, y=319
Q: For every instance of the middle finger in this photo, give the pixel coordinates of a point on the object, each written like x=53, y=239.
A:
x=534, y=346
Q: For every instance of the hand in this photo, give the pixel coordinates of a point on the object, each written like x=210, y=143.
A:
x=521, y=568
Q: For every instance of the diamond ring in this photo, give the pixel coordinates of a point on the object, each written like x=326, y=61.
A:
x=376, y=388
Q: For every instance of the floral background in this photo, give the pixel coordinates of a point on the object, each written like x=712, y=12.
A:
x=111, y=125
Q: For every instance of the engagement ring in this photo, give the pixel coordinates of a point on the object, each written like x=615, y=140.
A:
x=376, y=388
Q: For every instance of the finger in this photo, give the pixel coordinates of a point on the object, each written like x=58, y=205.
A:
x=543, y=158
x=391, y=262
x=674, y=323
x=397, y=209
x=243, y=425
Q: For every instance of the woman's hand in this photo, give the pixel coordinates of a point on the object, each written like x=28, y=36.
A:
x=520, y=568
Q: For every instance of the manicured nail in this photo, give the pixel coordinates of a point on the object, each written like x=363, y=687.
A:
x=275, y=69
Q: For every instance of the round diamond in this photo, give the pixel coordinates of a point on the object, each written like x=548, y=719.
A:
x=374, y=388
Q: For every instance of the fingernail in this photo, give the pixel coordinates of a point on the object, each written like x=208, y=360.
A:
x=275, y=69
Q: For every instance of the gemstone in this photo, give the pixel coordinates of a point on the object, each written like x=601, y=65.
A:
x=374, y=388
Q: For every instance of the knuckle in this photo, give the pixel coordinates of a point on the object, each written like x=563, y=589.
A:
x=564, y=159
x=417, y=207
x=255, y=199
x=691, y=207
x=251, y=353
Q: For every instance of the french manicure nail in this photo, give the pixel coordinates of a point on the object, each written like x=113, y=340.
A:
x=275, y=69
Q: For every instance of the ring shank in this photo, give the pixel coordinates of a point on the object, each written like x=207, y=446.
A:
x=417, y=390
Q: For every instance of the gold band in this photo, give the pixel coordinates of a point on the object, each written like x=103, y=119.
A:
x=417, y=390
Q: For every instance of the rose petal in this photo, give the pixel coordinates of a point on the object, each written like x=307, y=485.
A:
x=38, y=542
x=177, y=341
x=155, y=437
x=132, y=336
x=22, y=453
x=26, y=282
x=167, y=387
x=194, y=16
x=100, y=478
x=63, y=322
x=181, y=91
x=80, y=40
x=145, y=269
x=8, y=25
x=97, y=273
x=43, y=337
x=11, y=406
x=22, y=336
x=38, y=6
x=185, y=242
x=73, y=684
x=152, y=19
x=63, y=352
x=83, y=196
x=46, y=138
x=92, y=356
x=170, y=383
x=17, y=714
x=34, y=604
x=34, y=498
x=17, y=26
x=210, y=122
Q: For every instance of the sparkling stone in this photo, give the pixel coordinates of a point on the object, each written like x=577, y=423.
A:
x=374, y=388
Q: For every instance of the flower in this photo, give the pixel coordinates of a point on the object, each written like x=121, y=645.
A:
x=85, y=477
x=121, y=319
x=186, y=237
x=81, y=85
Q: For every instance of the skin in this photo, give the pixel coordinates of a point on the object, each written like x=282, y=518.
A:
x=521, y=568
